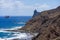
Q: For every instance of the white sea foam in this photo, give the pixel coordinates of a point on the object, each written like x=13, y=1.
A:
x=21, y=23
x=2, y=39
x=14, y=28
x=17, y=35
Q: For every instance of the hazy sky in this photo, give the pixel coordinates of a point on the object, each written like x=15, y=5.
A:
x=25, y=7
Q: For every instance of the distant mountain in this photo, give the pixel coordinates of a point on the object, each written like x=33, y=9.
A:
x=46, y=24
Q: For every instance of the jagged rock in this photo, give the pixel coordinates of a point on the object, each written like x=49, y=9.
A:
x=46, y=24
x=35, y=13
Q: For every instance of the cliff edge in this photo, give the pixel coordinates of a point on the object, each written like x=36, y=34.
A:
x=46, y=24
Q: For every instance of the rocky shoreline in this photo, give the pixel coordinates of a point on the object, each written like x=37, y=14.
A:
x=46, y=24
x=29, y=35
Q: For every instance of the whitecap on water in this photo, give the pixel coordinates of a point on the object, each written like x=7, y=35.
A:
x=15, y=35
x=18, y=36
x=21, y=23
x=15, y=28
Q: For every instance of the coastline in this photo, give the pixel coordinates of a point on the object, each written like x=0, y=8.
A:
x=23, y=35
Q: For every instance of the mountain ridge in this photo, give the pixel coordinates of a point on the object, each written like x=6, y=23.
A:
x=46, y=24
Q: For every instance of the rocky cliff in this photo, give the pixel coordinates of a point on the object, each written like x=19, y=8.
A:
x=46, y=24
x=35, y=13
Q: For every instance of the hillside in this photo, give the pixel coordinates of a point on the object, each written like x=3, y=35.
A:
x=46, y=24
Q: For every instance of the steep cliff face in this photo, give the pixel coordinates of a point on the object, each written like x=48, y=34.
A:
x=46, y=24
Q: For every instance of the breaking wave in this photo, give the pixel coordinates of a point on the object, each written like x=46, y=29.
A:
x=15, y=35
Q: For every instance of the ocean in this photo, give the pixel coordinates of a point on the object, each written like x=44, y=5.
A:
x=13, y=22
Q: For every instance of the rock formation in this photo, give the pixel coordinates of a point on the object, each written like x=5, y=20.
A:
x=46, y=24
x=35, y=13
x=6, y=16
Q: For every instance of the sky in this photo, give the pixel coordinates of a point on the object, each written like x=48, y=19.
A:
x=25, y=7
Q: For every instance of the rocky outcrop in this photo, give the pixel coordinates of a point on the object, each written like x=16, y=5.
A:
x=46, y=24
x=35, y=13
x=6, y=16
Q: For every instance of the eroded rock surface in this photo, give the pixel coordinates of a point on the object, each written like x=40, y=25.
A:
x=46, y=24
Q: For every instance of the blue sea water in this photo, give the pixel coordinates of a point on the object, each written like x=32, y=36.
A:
x=12, y=22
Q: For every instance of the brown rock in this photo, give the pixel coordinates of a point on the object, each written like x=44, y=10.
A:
x=46, y=24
